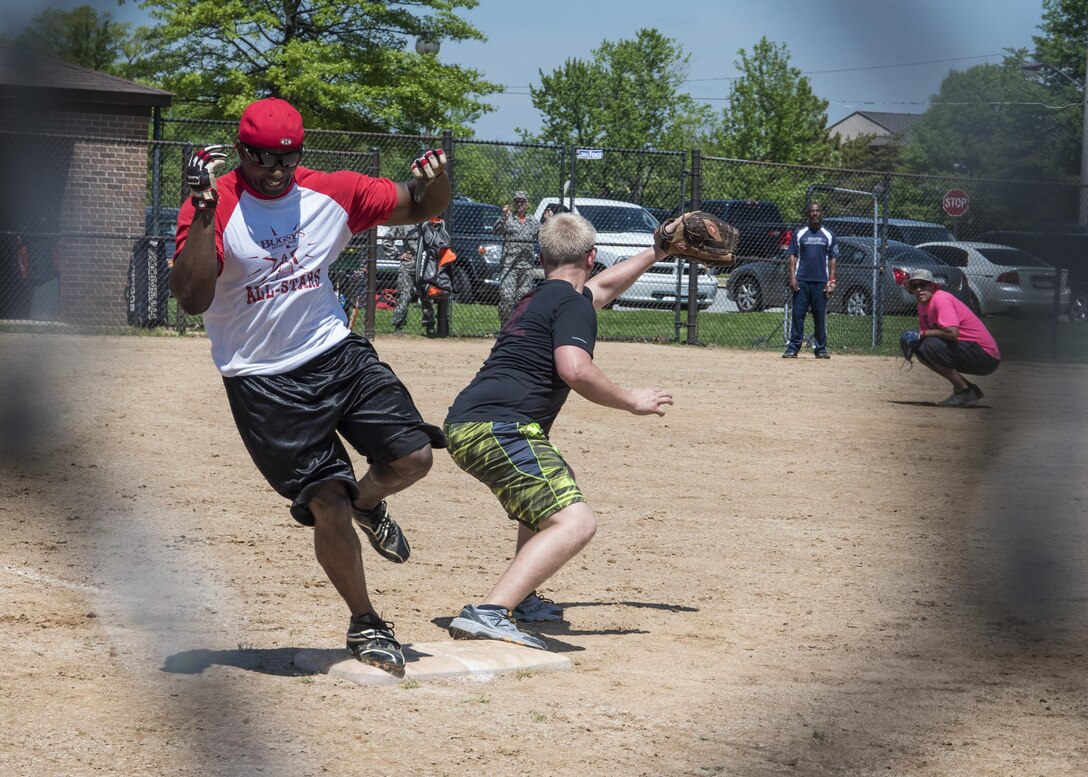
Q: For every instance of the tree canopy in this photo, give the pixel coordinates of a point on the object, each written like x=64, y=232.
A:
x=997, y=123
x=629, y=95
x=1064, y=28
x=346, y=64
x=81, y=36
x=772, y=114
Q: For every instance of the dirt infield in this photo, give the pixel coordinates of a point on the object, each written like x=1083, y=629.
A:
x=800, y=570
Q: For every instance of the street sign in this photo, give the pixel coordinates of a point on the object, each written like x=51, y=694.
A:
x=589, y=153
x=955, y=202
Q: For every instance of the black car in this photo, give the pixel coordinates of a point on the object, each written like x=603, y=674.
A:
x=478, y=249
x=478, y=253
x=903, y=230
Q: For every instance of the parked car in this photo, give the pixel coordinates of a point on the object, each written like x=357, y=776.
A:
x=478, y=252
x=622, y=229
x=656, y=288
x=756, y=286
x=903, y=230
x=1066, y=250
x=661, y=214
x=1004, y=279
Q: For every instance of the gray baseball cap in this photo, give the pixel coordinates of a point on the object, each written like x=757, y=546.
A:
x=521, y=196
x=920, y=275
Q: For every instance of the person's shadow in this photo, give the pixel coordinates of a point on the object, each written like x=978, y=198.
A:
x=280, y=661
x=548, y=630
x=274, y=661
x=919, y=403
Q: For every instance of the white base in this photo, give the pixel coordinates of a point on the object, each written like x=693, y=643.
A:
x=427, y=660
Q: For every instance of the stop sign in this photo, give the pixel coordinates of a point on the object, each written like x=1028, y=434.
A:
x=955, y=202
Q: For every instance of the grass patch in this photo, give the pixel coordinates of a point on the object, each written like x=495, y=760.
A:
x=1020, y=339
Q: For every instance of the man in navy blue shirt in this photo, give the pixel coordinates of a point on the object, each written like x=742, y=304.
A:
x=812, y=253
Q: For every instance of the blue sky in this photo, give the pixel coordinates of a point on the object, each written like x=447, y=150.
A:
x=859, y=54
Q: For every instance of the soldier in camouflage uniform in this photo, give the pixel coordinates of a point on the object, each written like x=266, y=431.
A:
x=400, y=244
x=518, y=254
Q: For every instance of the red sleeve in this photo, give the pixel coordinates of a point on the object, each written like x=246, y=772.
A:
x=228, y=201
x=368, y=201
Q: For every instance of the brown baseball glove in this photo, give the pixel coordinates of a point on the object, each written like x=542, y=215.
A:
x=701, y=237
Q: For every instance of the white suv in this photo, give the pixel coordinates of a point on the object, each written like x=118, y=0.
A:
x=623, y=229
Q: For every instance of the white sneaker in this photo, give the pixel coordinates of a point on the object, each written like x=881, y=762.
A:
x=474, y=623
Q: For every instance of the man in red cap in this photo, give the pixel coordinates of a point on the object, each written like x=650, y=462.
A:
x=254, y=248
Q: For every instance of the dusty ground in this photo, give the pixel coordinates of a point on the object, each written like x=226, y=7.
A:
x=800, y=570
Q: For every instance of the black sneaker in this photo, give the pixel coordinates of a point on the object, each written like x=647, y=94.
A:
x=371, y=640
x=789, y=353
x=823, y=355
x=535, y=608
x=383, y=532
x=960, y=398
x=975, y=390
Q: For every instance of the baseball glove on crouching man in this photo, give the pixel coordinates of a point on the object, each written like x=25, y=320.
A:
x=701, y=237
x=909, y=343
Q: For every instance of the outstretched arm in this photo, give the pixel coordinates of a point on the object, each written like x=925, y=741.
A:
x=575, y=366
x=610, y=283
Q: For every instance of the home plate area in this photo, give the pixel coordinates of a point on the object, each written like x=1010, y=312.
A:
x=429, y=660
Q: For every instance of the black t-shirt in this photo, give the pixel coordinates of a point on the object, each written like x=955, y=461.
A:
x=518, y=381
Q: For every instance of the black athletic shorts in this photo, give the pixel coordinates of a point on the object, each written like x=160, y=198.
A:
x=959, y=355
x=289, y=422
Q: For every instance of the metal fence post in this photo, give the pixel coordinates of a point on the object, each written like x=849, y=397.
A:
x=573, y=175
x=693, y=267
x=372, y=257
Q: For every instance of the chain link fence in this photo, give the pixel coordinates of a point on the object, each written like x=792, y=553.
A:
x=1013, y=250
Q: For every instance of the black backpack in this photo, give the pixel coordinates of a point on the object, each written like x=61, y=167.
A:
x=433, y=260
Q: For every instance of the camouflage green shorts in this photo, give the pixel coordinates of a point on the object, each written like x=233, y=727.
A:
x=518, y=463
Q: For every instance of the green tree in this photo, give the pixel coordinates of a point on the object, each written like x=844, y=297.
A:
x=81, y=36
x=568, y=102
x=628, y=96
x=860, y=153
x=772, y=114
x=997, y=122
x=346, y=64
x=1062, y=44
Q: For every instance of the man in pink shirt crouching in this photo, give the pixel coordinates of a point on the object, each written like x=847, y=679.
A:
x=951, y=340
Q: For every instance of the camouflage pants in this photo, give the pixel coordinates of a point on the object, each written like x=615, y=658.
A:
x=406, y=292
x=517, y=279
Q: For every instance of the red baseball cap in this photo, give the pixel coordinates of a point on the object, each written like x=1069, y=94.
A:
x=271, y=124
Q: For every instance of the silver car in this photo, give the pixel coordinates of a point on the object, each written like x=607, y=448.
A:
x=657, y=287
x=1004, y=279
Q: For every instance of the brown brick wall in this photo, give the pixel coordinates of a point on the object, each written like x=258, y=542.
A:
x=104, y=184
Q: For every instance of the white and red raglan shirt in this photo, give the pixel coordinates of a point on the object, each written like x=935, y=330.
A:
x=274, y=307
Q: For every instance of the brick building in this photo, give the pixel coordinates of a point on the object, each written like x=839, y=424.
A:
x=74, y=153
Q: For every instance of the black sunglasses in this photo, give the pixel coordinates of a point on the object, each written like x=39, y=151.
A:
x=270, y=158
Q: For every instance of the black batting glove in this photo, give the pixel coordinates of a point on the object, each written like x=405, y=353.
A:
x=200, y=174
